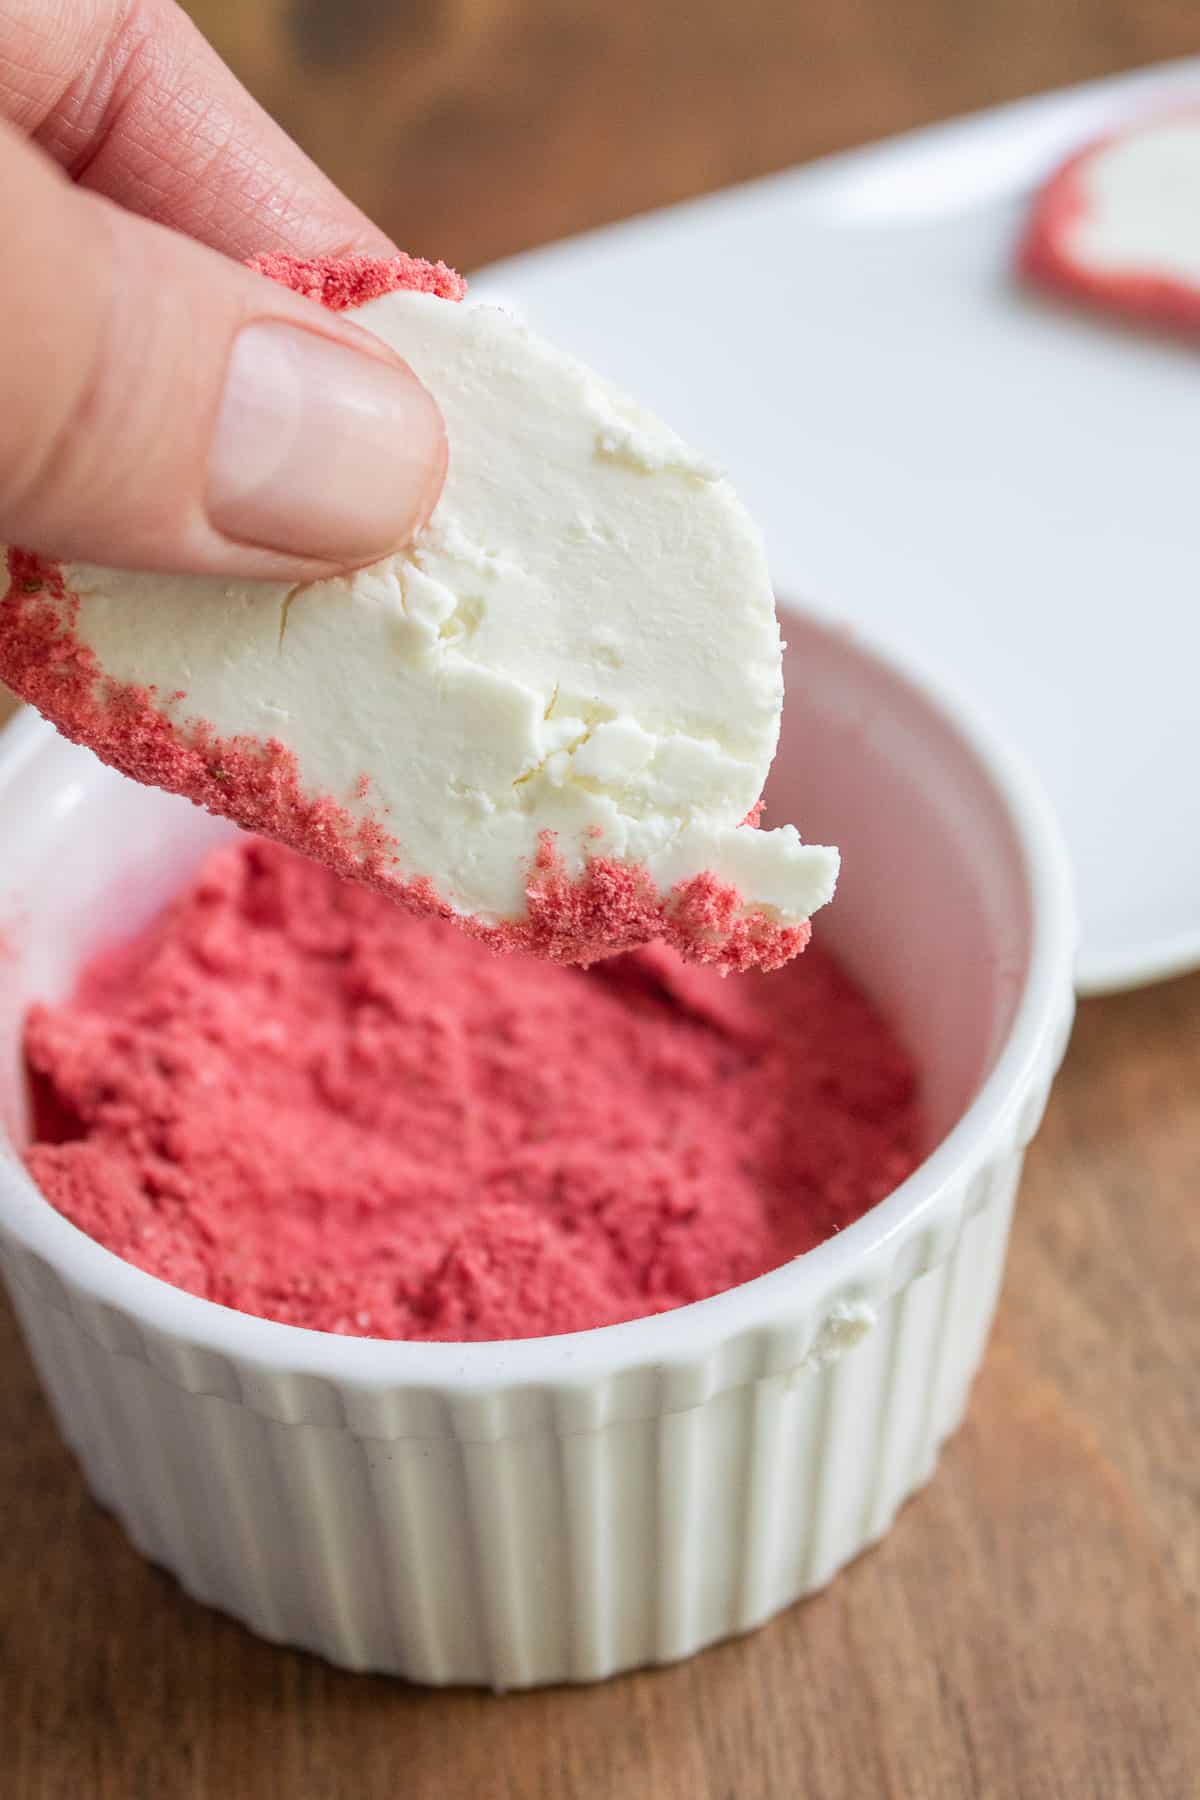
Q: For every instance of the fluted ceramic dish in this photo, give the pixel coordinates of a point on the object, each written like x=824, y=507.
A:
x=563, y=1508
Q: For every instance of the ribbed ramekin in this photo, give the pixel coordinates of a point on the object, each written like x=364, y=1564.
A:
x=563, y=1508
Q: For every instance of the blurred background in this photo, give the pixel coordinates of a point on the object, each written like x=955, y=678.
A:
x=470, y=129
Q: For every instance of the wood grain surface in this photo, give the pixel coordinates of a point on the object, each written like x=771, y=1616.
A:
x=1031, y=1628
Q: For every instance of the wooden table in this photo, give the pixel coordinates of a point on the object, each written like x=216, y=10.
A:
x=1030, y=1627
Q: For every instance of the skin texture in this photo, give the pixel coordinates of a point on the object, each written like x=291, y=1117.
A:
x=135, y=176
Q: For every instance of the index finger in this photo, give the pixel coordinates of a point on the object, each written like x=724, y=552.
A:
x=133, y=103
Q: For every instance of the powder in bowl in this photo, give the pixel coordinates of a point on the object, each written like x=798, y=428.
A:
x=293, y=1098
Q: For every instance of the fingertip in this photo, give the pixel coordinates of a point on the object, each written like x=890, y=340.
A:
x=320, y=450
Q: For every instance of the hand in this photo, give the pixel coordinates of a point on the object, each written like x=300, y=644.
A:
x=160, y=406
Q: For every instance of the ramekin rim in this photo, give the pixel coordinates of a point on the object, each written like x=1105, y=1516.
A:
x=808, y=1286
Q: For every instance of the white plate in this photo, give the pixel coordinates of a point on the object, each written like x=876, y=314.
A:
x=935, y=454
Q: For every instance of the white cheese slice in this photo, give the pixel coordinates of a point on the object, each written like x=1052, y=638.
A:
x=582, y=641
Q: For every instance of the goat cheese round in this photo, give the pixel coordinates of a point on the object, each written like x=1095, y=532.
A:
x=568, y=688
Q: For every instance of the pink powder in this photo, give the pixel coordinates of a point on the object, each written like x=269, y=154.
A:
x=298, y=1100
x=341, y=282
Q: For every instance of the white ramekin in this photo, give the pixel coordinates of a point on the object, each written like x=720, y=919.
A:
x=562, y=1508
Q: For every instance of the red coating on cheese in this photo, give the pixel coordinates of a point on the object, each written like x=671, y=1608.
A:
x=342, y=282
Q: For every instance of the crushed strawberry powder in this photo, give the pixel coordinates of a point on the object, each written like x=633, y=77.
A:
x=295, y=1099
x=609, y=907
x=341, y=282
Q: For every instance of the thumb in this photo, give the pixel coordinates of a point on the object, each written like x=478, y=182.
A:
x=162, y=407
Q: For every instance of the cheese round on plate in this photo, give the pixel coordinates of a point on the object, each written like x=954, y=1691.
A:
x=1118, y=225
